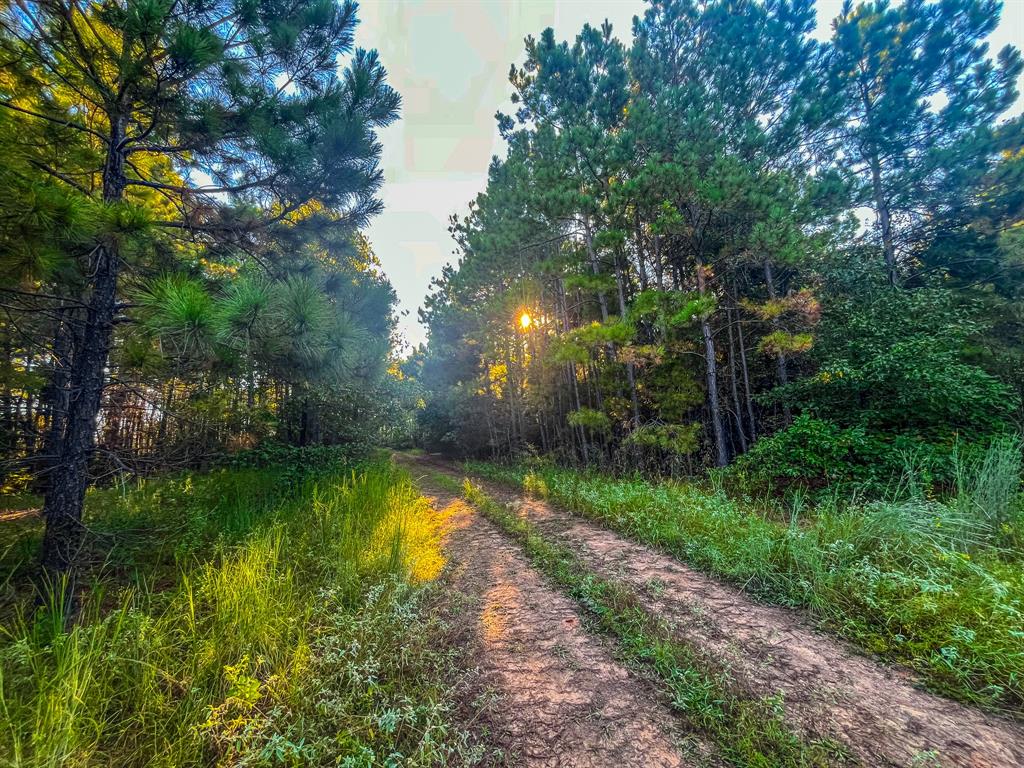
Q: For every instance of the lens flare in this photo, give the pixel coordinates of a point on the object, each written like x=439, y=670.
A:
x=525, y=321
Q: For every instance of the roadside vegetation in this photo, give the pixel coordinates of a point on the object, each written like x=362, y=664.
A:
x=280, y=615
x=937, y=583
x=669, y=314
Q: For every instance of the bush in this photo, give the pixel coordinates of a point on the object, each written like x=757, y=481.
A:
x=814, y=453
x=300, y=461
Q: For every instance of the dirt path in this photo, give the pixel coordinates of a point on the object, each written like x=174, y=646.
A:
x=563, y=699
x=829, y=689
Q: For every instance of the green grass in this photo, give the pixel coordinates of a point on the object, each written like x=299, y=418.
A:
x=745, y=731
x=239, y=619
x=927, y=582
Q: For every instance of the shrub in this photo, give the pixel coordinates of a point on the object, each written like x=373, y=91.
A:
x=814, y=453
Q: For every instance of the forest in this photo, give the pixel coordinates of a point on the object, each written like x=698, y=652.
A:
x=712, y=454
x=724, y=244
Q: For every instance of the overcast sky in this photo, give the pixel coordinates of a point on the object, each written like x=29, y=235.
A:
x=450, y=60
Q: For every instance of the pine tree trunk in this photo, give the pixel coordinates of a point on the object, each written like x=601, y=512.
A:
x=711, y=367
x=641, y=257
x=161, y=434
x=570, y=368
x=746, y=378
x=659, y=265
x=595, y=267
x=65, y=497
x=884, y=220
x=780, y=358
x=9, y=436
x=740, y=431
x=57, y=394
x=630, y=372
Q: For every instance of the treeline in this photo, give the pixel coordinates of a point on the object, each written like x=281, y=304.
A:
x=727, y=241
x=184, y=185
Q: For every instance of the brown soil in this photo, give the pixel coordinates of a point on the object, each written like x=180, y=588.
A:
x=829, y=690
x=562, y=699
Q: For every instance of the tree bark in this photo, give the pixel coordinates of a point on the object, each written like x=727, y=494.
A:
x=595, y=267
x=780, y=358
x=630, y=372
x=711, y=367
x=884, y=220
x=740, y=431
x=746, y=378
x=65, y=497
x=57, y=394
x=641, y=257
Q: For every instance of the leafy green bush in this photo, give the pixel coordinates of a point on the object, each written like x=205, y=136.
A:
x=815, y=453
x=905, y=363
x=300, y=461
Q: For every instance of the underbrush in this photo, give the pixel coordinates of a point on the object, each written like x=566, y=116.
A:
x=243, y=620
x=938, y=584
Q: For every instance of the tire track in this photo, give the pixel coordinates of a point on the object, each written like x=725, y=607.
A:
x=829, y=689
x=563, y=700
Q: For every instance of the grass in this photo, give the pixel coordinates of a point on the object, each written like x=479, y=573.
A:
x=237, y=619
x=937, y=584
x=745, y=731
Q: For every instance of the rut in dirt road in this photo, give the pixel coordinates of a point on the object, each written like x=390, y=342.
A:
x=829, y=689
x=562, y=699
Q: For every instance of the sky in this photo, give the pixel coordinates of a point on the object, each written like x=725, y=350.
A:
x=450, y=60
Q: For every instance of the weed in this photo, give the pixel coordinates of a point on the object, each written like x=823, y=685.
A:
x=257, y=625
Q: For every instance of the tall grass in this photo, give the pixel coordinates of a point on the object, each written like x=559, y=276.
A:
x=239, y=622
x=988, y=484
x=936, y=583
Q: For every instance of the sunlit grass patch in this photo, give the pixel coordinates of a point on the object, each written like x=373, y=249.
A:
x=287, y=626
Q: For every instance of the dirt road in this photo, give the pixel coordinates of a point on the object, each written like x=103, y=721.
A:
x=830, y=691
x=562, y=699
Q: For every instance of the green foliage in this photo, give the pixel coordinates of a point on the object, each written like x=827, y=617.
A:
x=588, y=282
x=589, y=418
x=157, y=153
x=268, y=640
x=643, y=181
x=905, y=359
x=676, y=439
x=782, y=343
x=924, y=581
x=815, y=453
x=919, y=108
x=295, y=461
x=672, y=309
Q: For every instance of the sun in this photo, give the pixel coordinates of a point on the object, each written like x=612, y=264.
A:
x=525, y=321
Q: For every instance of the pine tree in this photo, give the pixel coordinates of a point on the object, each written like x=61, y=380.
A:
x=921, y=99
x=234, y=113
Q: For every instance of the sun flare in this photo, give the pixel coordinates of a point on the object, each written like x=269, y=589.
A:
x=525, y=321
